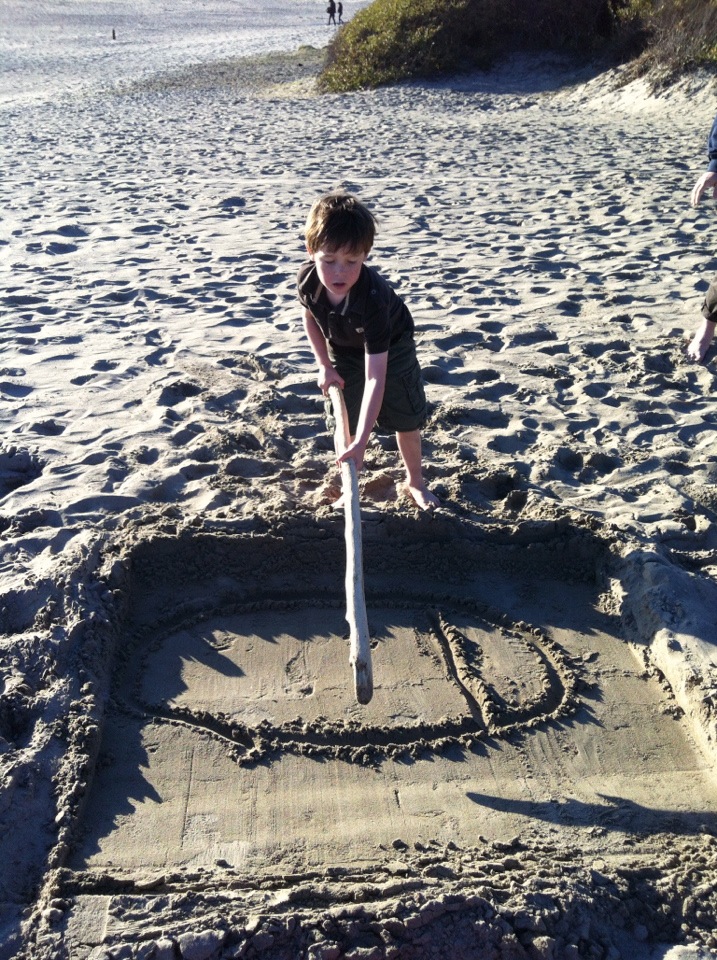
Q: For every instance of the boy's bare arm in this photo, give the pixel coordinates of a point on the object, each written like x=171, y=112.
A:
x=327, y=373
x=376, y=364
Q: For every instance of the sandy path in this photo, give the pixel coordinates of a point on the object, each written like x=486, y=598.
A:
x=535, y=774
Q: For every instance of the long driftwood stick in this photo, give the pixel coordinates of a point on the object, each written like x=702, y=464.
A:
x=360, y=655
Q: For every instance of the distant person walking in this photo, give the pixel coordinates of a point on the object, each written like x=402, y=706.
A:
x=331, y=10
x=340, y=11
x=704, y=334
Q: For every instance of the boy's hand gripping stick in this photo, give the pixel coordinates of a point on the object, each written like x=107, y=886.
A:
x=360, y=655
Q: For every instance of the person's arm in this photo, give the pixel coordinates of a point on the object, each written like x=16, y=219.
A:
x=376, y=364
x=709, y=178
x=327, y=373
x=704, y=334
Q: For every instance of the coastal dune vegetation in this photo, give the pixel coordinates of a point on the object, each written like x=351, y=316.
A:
x=394, y=40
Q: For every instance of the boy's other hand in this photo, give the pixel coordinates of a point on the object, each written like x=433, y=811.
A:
x=355, y=452
x=327, y=376
x=706, y=181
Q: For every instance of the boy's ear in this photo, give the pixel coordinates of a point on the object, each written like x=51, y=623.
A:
x=310, y=252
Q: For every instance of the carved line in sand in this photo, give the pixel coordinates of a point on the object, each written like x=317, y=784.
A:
x=488, y=716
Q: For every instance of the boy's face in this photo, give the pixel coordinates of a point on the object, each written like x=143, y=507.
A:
x=338, y=270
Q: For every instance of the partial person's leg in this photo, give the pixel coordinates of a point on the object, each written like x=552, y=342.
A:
x=409, y=445
x=704, y=334
x=404, y=412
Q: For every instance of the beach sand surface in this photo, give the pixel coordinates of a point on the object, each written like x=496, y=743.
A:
x=185, y=769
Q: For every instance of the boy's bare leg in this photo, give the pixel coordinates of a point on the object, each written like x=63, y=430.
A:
x=409, y=445
x=699, y=344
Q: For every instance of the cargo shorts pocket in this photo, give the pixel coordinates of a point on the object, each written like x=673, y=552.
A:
x=415, y=391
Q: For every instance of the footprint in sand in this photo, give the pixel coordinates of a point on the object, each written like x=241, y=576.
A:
x=187, y=434
x=23, y=300
x=512, y=443
x=121, y=296
x=57, y=249
x=72, y=230
x=653, y=418
x=232, y=205
x=163, y=343
x=469, y=415
x=658, y=363
x=17, y=468
x=16, y=390
x=148, y=229
x=597, y=349
x=176, y=393
x=602, y=463
x=494, y=391
x=567, y=459
x=48, y=428
x=598, y=391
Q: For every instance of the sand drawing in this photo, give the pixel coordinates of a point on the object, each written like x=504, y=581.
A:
x=486, y=713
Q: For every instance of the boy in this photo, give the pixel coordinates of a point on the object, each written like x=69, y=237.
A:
x=361, y=335
x=699, y=345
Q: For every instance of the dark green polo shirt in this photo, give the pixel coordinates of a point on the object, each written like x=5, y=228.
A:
x=370, y=318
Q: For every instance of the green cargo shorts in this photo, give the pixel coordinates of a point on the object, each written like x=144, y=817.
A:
x=404, y=399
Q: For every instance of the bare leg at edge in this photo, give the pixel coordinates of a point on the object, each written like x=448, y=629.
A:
x=409, y=445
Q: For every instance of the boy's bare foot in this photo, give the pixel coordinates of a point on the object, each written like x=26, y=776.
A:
x=700, y=343
x=421, y=496
x=698, y=347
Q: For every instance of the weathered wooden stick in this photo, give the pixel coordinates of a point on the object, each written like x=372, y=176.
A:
x=360, y=655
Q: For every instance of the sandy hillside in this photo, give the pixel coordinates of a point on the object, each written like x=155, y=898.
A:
x=186, y=772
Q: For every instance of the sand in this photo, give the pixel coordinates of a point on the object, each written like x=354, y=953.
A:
x=186, y=772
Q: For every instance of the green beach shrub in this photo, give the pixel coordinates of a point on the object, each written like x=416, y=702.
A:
x=393, y=40
x=681, y=36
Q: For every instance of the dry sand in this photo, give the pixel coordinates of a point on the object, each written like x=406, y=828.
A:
x=185, y=770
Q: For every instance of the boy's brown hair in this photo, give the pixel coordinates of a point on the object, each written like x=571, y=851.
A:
x=339, y=220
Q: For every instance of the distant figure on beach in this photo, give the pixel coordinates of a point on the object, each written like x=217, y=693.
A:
x=361, y=334
x=340, y=11
x=331, y=10
x=700, y=343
